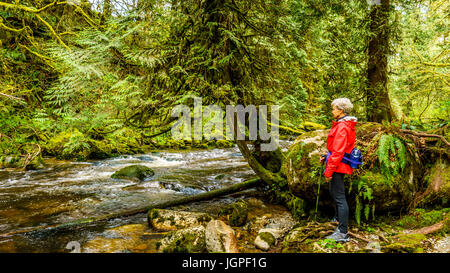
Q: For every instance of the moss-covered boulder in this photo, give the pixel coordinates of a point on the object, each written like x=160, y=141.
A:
x=236, y=213
x=188, y=240
x=165, y=220
x=133, y=172
x=388, y=181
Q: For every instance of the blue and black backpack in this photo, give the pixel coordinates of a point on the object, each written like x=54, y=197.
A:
x=354, y=158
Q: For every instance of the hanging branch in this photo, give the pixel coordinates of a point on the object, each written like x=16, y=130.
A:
x=13, y=98
x=52, y=31
x=36, y=12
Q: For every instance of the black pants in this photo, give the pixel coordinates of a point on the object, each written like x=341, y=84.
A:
x=337, y=191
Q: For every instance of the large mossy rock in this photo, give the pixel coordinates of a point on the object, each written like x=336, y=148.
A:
x=389, y=179
x=133, y=172
x=188, y=240
x=166, y=220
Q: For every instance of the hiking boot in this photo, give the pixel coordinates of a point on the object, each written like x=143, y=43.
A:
x=338, y=236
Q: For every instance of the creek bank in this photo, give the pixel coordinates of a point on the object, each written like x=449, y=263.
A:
x=270, y=228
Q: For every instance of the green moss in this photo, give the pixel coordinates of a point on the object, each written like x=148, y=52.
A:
x=237, y=213
x=204, y=218
x=185, y=243
x=310, y=126
x=152, y=214
x=267, y=237
x=223, y=143
x=406, y=243
x=10, y=162
x=420, y=218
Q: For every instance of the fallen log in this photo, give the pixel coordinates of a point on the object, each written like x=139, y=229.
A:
x=171, y=203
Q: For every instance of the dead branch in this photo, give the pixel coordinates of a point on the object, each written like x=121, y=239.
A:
x=12, y=97
x=358, y=237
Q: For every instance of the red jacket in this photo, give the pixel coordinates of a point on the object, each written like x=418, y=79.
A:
x=340, y=140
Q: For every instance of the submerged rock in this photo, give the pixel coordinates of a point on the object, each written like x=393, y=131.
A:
x=166, y=220
x=133, y=172
x=188, y=240
x=117, y=240
x=220, y=237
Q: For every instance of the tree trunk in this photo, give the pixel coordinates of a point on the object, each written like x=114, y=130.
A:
x=377, y=95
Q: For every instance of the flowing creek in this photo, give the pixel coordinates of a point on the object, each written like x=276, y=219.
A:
x=66, y=191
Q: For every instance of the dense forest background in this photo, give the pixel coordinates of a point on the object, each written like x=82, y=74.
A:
x=91, y=79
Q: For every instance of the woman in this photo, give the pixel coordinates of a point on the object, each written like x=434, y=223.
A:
x=340, y=140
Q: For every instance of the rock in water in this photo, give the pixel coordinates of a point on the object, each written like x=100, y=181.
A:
x=133, y=172
x=220, y=237
x=116, y=240
x=165, y=220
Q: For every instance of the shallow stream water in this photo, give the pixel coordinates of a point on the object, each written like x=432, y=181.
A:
x=66, y=191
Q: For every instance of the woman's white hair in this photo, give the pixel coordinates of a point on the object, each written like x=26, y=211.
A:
x=343, y=104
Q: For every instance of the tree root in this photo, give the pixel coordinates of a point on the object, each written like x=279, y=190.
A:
x=420, y=134
x=430, y=229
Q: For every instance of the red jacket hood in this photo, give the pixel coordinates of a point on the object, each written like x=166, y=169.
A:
x=348, y=120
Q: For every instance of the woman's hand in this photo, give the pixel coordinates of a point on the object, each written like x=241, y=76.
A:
x=328, y=179
x=322, y=159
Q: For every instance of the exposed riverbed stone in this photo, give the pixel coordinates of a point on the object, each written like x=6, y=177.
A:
x=117, y=240
x=280, y=224
x=264, y=240
x=167, y=220
x=188, y=240
x=220, y=237
x=134, y=172
x=276, y=229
